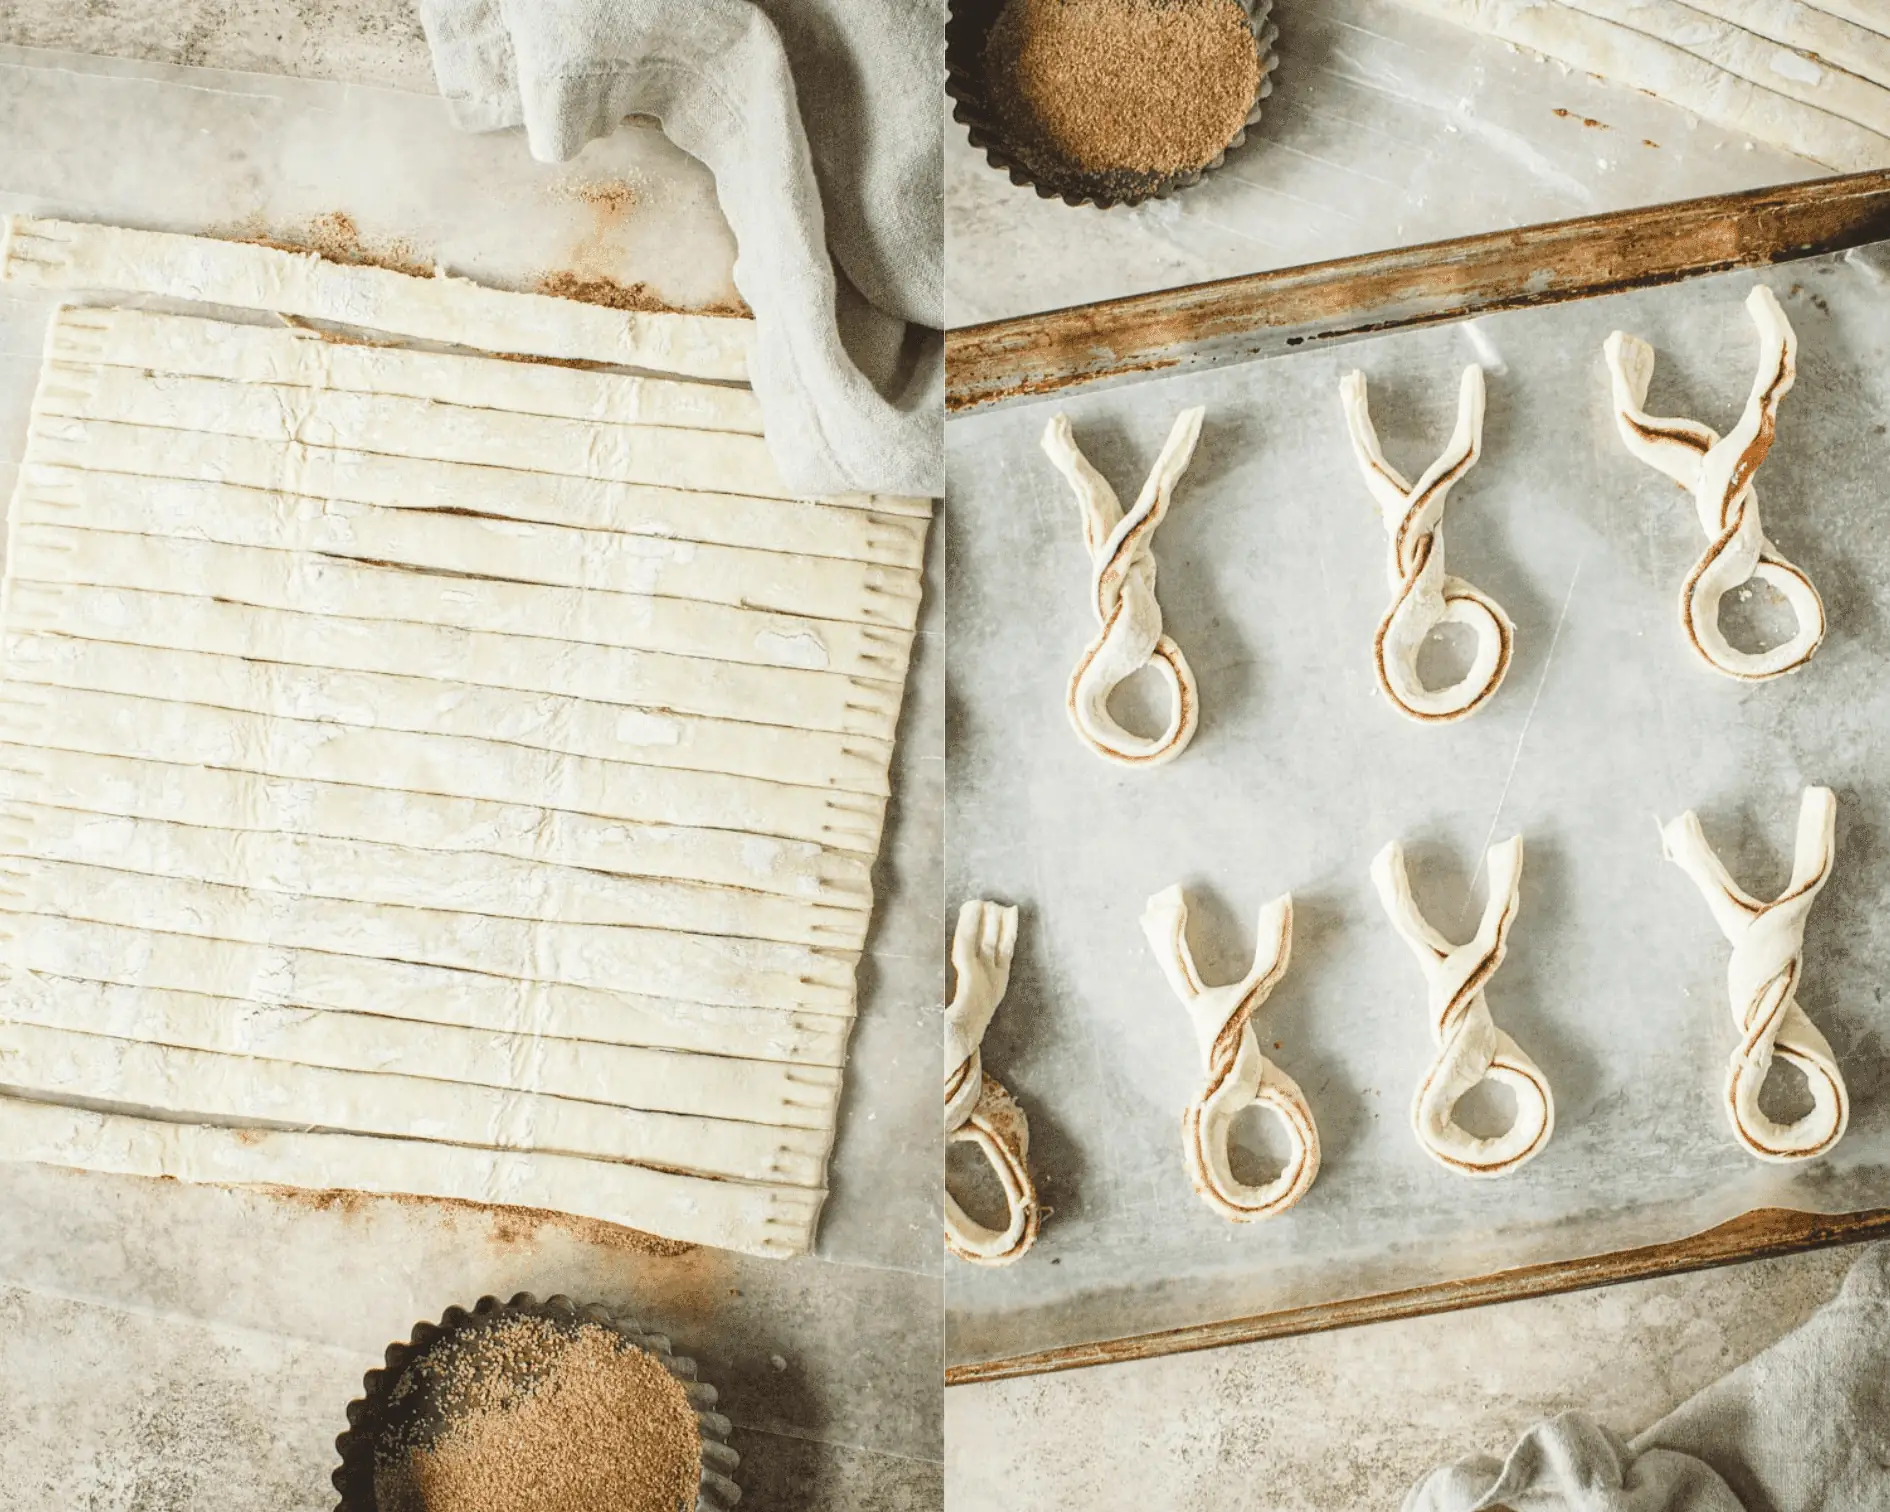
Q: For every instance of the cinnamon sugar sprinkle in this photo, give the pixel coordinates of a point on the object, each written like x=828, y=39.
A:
x=1150, y=87
x=529, y=1415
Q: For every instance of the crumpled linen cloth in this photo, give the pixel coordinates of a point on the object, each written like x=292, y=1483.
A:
x=821, y=122
x=1802, y=1427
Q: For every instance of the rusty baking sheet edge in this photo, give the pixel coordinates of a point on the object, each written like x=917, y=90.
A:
x=1271, y=314
x=1761, y=1234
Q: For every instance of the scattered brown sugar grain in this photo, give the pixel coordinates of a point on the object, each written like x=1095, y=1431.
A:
x=527, y=1415
x=1138, y=86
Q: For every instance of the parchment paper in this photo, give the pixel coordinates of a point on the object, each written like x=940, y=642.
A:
x=1272, y=579
x=160, y=1341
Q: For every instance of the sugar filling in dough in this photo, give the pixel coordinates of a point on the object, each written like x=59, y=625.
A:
x=1129, y=634
x=978, y=1110
x=1719, y=472
x=1470, y=1048
x=1768, y=961
x=1238, y=1075
x=1423, y=595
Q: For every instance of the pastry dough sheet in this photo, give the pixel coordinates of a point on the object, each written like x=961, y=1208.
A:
x=423, y=772
x=1608, y=723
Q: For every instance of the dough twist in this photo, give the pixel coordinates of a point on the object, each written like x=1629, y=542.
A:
x=1238, y=1075
x=1423, y=595
x=1470, y=1048
x=977, y=1108
x=1718, y=471
x=1122, y=585
x=1768, y=941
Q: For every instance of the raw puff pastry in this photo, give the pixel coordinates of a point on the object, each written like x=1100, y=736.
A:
x=523, y=853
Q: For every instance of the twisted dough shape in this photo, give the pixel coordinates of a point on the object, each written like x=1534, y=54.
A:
x=977, y=1108
x=1122, y=588
x=1238, y=1075
x=1423, y=595
x=1768, y=941
x=1718, y=471
x=1470, y=1048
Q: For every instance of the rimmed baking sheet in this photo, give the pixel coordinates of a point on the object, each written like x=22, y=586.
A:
x=1272, y=580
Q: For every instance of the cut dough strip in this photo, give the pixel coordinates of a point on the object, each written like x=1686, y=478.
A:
x=978, y=1110
x=1423, y=595
x=1768, y=961
x=112, y=724
x=1823, y=30
x=192, y=347
x=664, y=963
x=313, y=583
x=1239, y=1075
x=788, y=698
x=1470, y=1048
x=214, y=797
x=756, y=1219
x=1581, y=34
x=655, y=1081
x=53, y=254
x=193, y=1084
x=797, y=527
x=556, y=556
x=373, y=700
x=395, y=876
x=1129, y=633
x=708, y=461
x=1718, y=471
x=316, y=979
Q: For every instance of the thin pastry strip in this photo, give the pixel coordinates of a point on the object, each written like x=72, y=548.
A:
x=621, y=1076
x=1826, y=84
x=307, y=980
x=376, y=700
x=61, y=1064
x=1470, y=1048
x=1768, y=963
x=664, y=963
x=216, y=797
x=1239, y=1076
x=53, y=254
x=782, y=697
x=327, y=585
x=707, y=461
x=772, y=581
x=1424, y=595
x=802, y=527
x=1129, y=635
x=1719, y=472
x=397, y=876
x=1577, y=36
x=978, y=1110
x=753, y=1218
x=190, y=346
x=1822, y=30
x=114, y=724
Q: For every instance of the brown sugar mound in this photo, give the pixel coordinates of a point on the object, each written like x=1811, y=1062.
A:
x=529, y=1415
x=1137, y=86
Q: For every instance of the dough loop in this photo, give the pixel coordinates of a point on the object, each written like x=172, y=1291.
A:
x=1122, y=583
x=1470, y=1048
x=1768, y=941
x=1424, y=596
x=977, y=1108
x=1238, y=1075
x=1718, y=471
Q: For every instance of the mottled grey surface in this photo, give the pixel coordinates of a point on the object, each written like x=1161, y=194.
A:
x=1272, y=580
x=1347, y=1421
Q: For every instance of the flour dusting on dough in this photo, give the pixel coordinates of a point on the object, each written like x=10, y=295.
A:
x=801, y=649
x=634, y=727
